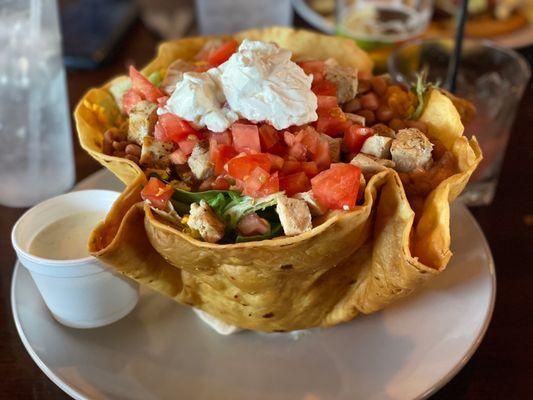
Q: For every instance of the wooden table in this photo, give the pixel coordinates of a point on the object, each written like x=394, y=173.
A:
x=501, y=368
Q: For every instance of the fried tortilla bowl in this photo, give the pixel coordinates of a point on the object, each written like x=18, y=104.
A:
x=349, y=263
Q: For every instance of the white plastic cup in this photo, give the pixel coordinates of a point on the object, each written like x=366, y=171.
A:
x=80, y=293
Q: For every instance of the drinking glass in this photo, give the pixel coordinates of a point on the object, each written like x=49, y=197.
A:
x=36, y=159
x=228, y=16
x=374, y=22
x=491, y=77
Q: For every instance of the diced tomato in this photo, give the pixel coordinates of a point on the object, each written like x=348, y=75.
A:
x=310, y=168
x=175, y=129
x=289, y=138
x=130, y=98
x=324, y=88
x=276, y=162
x=310, y=138
x=315, y=68
x=157, y=193
x=187, y=145
x=254, y=181
x=159, y=133
x=291, y=167
x=294, y=183
x=270, y=186
x=337, y=187
x=220, y=138
x=278, y=149
x=143, y=86
x=332, y=123
x=268, y=137
x=245, y=138
x=298, y=151
x=220, y=183
x=162, y=101
x=326, y=103
x=355, y=137
x=221, y=54
x=322, y=156
x=241, y=167
x=178, y=157
x=220, y=154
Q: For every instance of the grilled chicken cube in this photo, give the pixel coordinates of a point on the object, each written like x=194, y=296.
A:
x=155, y=154
x=200, y=162
x=410, y=150
x=203, y=219
x=345, y=79
x=334, y=147
x=377, y=146
x=143, y=117
x=370, y=165
x=174, y=75
x=294, y=216
x=315, y=207
x=118, y=89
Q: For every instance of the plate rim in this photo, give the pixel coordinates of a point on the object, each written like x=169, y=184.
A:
x=71, y=391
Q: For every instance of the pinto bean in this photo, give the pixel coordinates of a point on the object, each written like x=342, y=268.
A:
x=133, y=149
x=379, y=85
x=119, y=145
x=352, y=106
x=369, y=117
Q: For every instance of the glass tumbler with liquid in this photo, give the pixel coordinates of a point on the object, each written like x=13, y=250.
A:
x=379, y=26
x=36, y=157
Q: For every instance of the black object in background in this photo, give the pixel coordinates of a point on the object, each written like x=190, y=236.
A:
x=93, y=28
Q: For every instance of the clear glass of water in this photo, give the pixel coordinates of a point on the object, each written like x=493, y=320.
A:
x=229, y=16
x=492, y=77
x=36, y=157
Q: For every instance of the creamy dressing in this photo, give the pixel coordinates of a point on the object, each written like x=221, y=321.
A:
x=66, y=238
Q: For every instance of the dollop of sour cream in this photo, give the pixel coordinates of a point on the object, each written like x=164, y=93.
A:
x=198, y=99
x=259, y=83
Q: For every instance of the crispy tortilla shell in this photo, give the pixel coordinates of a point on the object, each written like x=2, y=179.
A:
x=353, y=262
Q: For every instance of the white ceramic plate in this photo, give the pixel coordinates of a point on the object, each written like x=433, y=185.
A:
x=162, y=351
